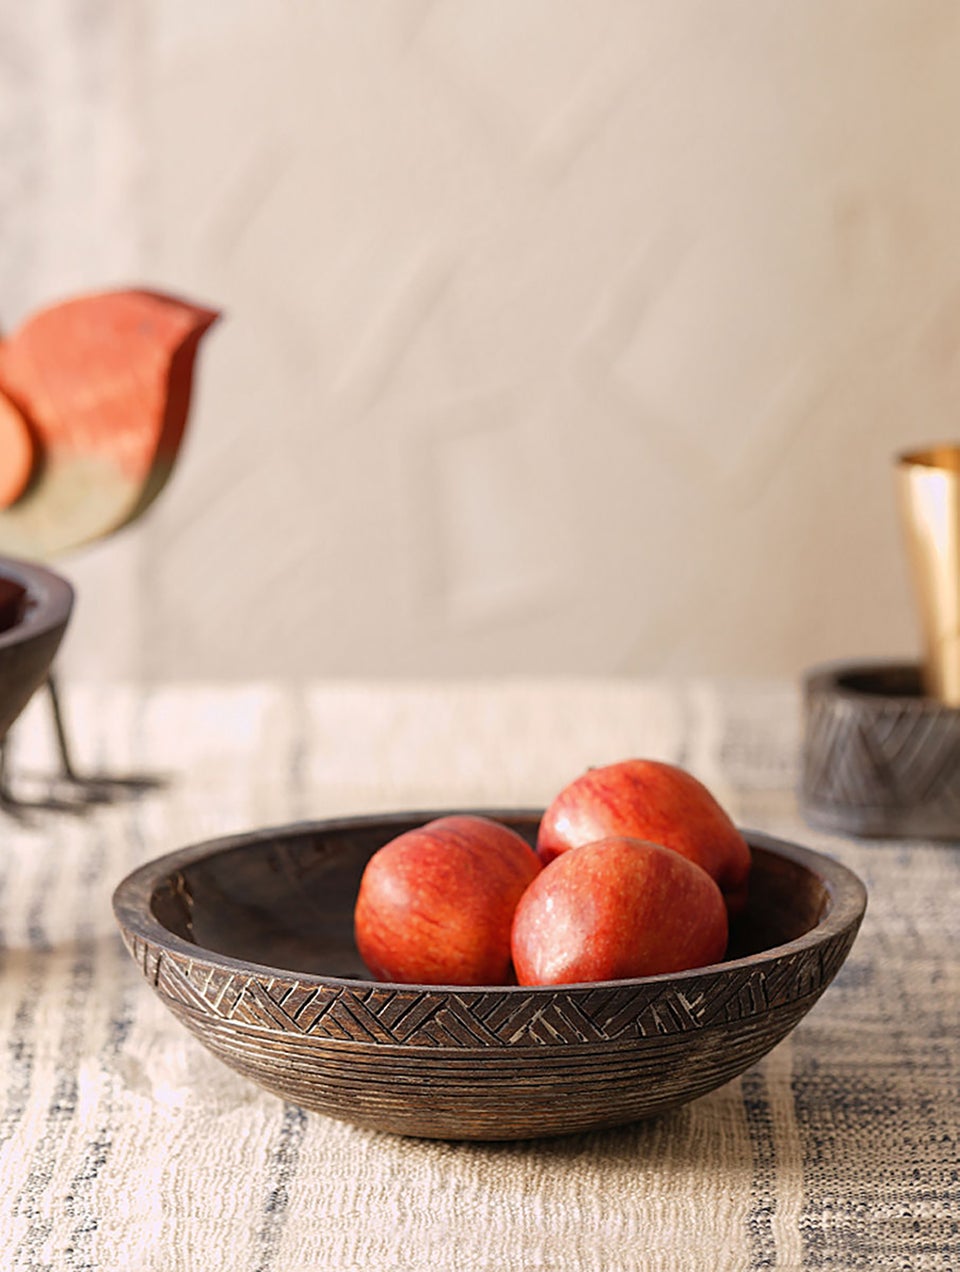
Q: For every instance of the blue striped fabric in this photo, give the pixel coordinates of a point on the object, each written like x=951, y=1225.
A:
x=125, y=1145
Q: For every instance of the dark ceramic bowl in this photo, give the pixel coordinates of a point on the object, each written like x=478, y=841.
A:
x=249, y=941
x=35, y=607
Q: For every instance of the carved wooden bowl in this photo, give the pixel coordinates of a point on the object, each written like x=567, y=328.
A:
x=35, y=607
x=248, y=940
x=880, y=758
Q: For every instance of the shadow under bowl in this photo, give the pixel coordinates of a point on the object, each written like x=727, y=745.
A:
x=248, y=940
x=35, y=607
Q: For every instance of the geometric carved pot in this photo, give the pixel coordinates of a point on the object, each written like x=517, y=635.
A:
x=880, y=759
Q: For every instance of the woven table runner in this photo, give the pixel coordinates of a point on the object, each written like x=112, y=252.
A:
x=125, y=1145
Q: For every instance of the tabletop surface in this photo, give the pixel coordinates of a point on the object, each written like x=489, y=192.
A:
x=125, y=1145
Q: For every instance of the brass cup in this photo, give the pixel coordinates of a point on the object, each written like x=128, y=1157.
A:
x=929, y=496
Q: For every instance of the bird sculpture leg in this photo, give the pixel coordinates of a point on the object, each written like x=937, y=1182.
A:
x=67, y=771
x=100, y=788
x=83, y=793
x=68, y=790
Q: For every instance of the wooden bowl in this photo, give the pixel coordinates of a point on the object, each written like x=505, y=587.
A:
x=35, y=607
x=249, y=941
x=881, y=759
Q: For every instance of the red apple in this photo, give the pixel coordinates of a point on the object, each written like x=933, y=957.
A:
x=647, y=799
x=436, y=904
x=615, y=909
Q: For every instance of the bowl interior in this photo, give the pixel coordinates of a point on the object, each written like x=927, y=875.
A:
x=13, y=603
x=890, y=680
x=285, y=899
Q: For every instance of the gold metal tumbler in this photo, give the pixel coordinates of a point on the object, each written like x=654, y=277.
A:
x=929, y=494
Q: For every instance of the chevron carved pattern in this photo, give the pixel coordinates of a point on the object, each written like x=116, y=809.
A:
x=470, y=1019
x=882, y=763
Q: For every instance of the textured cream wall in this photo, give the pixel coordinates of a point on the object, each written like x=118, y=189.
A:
x=560, y=335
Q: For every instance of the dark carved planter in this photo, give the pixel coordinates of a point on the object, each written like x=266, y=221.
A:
x=879, y=758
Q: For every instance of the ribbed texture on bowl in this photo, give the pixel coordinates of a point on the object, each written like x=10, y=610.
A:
x=504, y=1062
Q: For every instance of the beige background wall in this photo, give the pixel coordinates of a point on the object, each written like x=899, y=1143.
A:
x=560, y=336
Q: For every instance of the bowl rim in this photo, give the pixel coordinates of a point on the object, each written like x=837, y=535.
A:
x=131, y=903
x=49, y=600
x=828, y=682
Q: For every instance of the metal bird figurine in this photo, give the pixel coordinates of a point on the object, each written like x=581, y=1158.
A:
x=94, y=398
